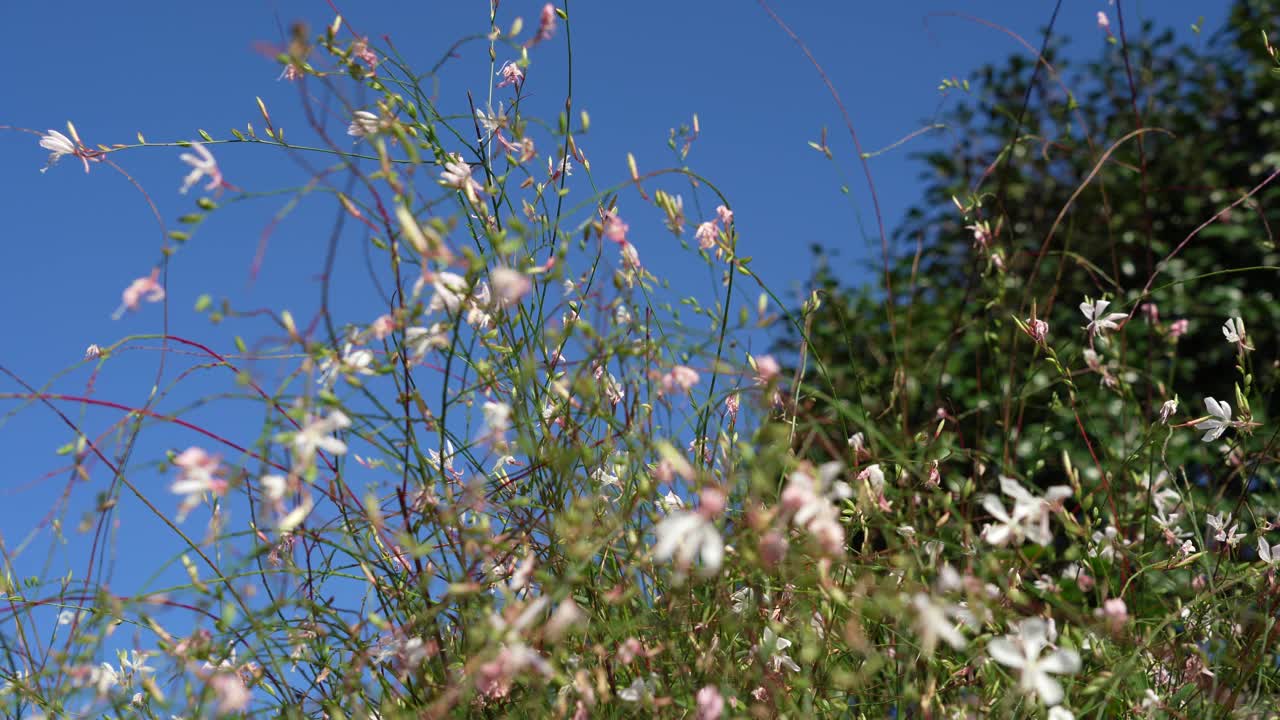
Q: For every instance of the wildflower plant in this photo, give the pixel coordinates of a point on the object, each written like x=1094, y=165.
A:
x=523, y=476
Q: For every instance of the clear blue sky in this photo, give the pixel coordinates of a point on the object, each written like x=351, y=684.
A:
x=72, y=241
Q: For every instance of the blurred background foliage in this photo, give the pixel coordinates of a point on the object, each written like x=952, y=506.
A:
x=1024, y=138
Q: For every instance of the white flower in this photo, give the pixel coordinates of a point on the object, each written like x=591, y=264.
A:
x=420, y=340
x=670, y=502
x=317, y=436
x=1098, y=321
x=457, y=174
x=1007, y=529
x=491, y=121
x=811, y=502
x=1224, y=530
x=621, y=315
x=103, y=678
x=1221, y=420
x=742, y=598
x=451, y=291
x=638, y=690
x=1021, y=651
x=202, y=166
x=1168, y=409
x=1233, y=330
x=566, y=167
x=509, y=286
x=932, y=623
x=1059, y=712
x=58, y=145
x=771, y=646
x=826, y=489
x=274, y=487
x=603, y=476
x=363, y=124
x=630, y=256
x=497, y=417
x=135, y=664
x=1270, y=554
x=354, y=360
x=444, y=463
x=1030, y=516
x=684, y=535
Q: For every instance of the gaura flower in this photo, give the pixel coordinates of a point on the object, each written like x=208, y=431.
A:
x=1224, y=529
x=771, y=647
x=58, y=145
x=202, y=165
x=364, y=124
x=684, y=536
x=1269, y=554
x=707, y=234
x=934, y=622
x=509, y=286
x=680, y=379
x=1022, y=652
x=1233, y=331
x=144, y=288
x=199, y=473
x=1219, y=421
x=316, y=436
x=511, y=74
x=546, y=24
x=1099, y=320
x=457, y=175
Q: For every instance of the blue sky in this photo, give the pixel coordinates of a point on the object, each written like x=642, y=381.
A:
x=73, y=241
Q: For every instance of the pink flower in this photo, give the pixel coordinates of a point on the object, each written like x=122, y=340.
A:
x=509, y=286
x=710, y=703
x=712, y=503
x=230, y=691
x=707, y=234
x=546, y=24
x=614, y=228
x=511, y=75
x=202, y=166
x=1114, y=612
x=981, y=233
x=360, y=49
x=680, y=379
x=767, y=369
x=732, y=404
x=1037, y=329
x=725, y=214
x=1104, y=23
x=144, y=288
x=1177, y=329
x=199, y=474
x=383, y=326
x=457, y=174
